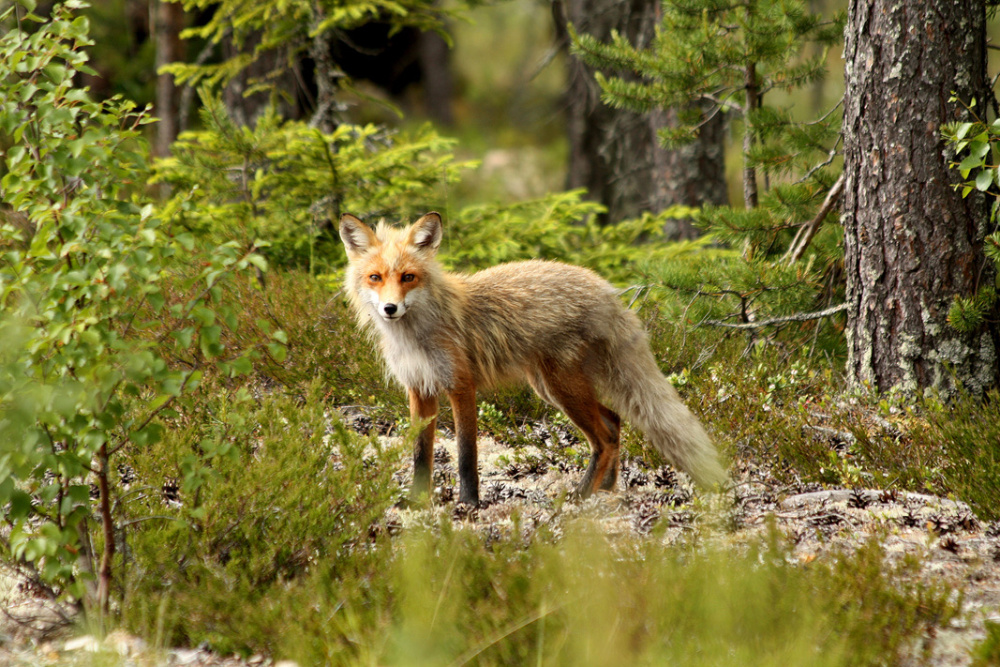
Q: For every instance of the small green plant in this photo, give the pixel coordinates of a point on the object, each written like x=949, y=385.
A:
x=987, y=653
x=977, y=143
x=491, y=419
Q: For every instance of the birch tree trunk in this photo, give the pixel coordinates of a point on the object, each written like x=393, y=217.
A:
x=911, y=242
x=169, y=22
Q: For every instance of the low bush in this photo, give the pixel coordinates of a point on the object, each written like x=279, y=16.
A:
x=223, y=538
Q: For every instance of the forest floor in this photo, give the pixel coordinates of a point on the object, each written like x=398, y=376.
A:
x=950, y=542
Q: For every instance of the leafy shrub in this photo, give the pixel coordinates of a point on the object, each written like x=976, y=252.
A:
x=289, y=183
x=84, y=258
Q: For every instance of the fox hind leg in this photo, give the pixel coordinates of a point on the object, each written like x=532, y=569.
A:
x=572, y=391
x=613, y=423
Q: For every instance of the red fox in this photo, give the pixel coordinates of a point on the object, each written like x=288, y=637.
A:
x=560, y=327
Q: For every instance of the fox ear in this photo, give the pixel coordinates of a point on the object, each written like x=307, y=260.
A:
x=426, y=232
x=356, y=235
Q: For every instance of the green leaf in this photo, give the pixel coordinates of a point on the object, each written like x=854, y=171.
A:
x=151, y=434
x=156, y=301
x=258, y=261
x=240, y=366
x=209, y=341
x=984, y=179
x=277, y=351
x=20, y=505
x=159, y=401
x=203, y=316
x=963, y=129
x=968, y=164
x=183, y=336
x=980, y=146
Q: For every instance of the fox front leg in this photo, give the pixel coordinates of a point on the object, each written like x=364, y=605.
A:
x=463, y=407
x=421, y=408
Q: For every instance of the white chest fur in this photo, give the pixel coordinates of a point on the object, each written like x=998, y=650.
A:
x=418, y=366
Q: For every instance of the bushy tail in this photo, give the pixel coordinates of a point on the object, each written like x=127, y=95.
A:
x=640, y=393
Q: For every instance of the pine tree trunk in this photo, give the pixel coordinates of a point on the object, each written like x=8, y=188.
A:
x=692, y=175
x=614, y=153
x=911, y=242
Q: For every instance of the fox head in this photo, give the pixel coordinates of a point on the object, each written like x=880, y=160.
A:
x=389, y=267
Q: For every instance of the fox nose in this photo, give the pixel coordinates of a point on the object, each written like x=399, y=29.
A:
x=389, y=309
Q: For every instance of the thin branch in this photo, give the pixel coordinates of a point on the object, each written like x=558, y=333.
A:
x=723, y=104
x=126, y=438
x=798, y=317
x=822, y=119
x=829, y=158
x=808, y=231
x=163, y=517
x=547, y=58
x=639, y=289
x=104, y=574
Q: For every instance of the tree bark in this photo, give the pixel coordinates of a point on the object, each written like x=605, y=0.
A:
x=105, y=575
x=752, y=103
x=436, y=72
x=169, y=48
x=692, y=175
x=911, y=242
x=614, y=153
x=327, y=114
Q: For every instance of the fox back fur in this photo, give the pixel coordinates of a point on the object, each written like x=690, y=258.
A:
x=560, y=327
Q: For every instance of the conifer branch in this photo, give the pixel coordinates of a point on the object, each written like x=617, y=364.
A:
x=797, y=317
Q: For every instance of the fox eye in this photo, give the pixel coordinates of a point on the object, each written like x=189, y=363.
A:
x=407, y=278
x=375, y=278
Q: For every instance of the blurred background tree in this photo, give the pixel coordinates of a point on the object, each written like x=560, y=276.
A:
x=613, y=149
